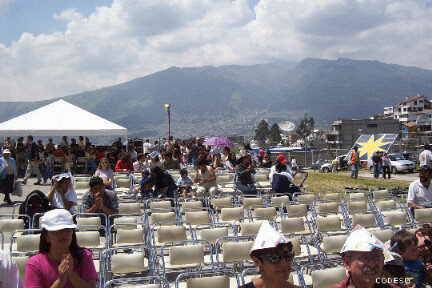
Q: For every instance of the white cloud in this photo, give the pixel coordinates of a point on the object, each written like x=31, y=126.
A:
x=132, y=38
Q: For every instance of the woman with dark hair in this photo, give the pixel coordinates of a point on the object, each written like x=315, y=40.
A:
x=164, y=185
x=60, y=261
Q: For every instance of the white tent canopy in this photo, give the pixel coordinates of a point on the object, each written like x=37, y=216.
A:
x=61, y=118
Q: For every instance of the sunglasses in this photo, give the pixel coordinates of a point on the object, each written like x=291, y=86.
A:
x=276, y=258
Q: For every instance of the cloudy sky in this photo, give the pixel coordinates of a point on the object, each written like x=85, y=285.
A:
x=52, y=48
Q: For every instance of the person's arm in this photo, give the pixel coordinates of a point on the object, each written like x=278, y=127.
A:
x=212, y=175
x=77, y=282
x=52, y=191
x=110, y=210
x=411, y=197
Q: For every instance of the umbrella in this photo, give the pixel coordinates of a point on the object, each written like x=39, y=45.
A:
x=218, y=142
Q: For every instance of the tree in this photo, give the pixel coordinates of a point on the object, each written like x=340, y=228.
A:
x=262, y=131
x=305, y=127
x=275, y=134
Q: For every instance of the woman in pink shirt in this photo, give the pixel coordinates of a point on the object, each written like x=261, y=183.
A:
x=60, y=263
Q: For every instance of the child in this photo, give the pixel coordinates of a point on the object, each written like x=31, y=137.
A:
x=405, y=244
x=184, y=183
x=146, y=185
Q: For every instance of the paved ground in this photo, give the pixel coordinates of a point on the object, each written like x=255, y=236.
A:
x=4, y=209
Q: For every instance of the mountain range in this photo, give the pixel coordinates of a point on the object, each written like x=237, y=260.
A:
x=230, y=100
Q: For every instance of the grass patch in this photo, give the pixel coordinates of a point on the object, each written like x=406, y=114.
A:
x=332, y=182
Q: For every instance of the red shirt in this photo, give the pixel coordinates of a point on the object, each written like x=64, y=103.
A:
x=123, y=166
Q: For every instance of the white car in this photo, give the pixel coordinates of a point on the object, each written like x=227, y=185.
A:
x=400, y=164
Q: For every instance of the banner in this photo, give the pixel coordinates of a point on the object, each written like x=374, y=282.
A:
x=369, y=144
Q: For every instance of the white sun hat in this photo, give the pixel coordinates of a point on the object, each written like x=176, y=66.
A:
x=57, y=219
x=361, y=240
x=268, y=237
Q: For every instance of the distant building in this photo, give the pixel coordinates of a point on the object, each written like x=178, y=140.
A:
x=388, y=111
x=408, y=109
x=345, y=132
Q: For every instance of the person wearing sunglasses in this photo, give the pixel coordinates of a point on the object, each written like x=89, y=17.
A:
x=272, y=254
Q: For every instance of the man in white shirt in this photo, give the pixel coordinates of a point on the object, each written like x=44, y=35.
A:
x=425, y=157
x=147, y=146
x=420, y=191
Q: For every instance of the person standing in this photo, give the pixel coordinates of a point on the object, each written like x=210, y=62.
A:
x=425, y=157
x=33, y=161
x=8, y=174
x=355, y=162
x=386, y=166
x=20, y=157
x=377, y=164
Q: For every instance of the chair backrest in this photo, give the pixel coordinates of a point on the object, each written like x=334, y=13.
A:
x=11, y=225
x=268, y=213
x=197, y=218
x=280, y=201
x=329, y=223
x=250, y=228
x=88, y=223
x=171, y=233
x=213, y=234
x=129, y=208
x=297, y=210
x=123, y=182
x=327, y=277
x=357, y=207
x=380, y=195
x=232, y=214
x=219, y=203
x=129, y=237
x=333, y=244
x=356, y=197
x=234, y=252
x=386, y=205
x=186, y=255
x=160, y=206
x=88, y=239
x=365, y=220
x=328, y=208
x=168, y=218
x=221, y=281
x=421, y=215
x=27, y=243
x=123, y=263
x=192, y=206
x=296, y=245
x=383, y=235
x=126, y=222
x=306, y=198
x=253, y=202
x=332, y=197
x=292, y=225
x=395, y=218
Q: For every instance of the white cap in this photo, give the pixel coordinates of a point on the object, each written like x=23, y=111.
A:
x=268, y=237
x=57, y=219
x=61, y=176
x=361, y=240
x=6, y=151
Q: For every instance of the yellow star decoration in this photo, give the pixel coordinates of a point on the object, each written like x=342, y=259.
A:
x=372, y=146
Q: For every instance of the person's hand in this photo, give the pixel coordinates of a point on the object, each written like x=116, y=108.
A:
x=65, y=267
x=99, y=202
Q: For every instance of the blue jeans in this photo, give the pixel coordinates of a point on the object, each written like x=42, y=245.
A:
x=354, y=170
x=377, y=170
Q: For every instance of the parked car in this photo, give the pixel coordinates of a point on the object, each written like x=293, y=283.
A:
x=398, y=164
x=342, y=164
